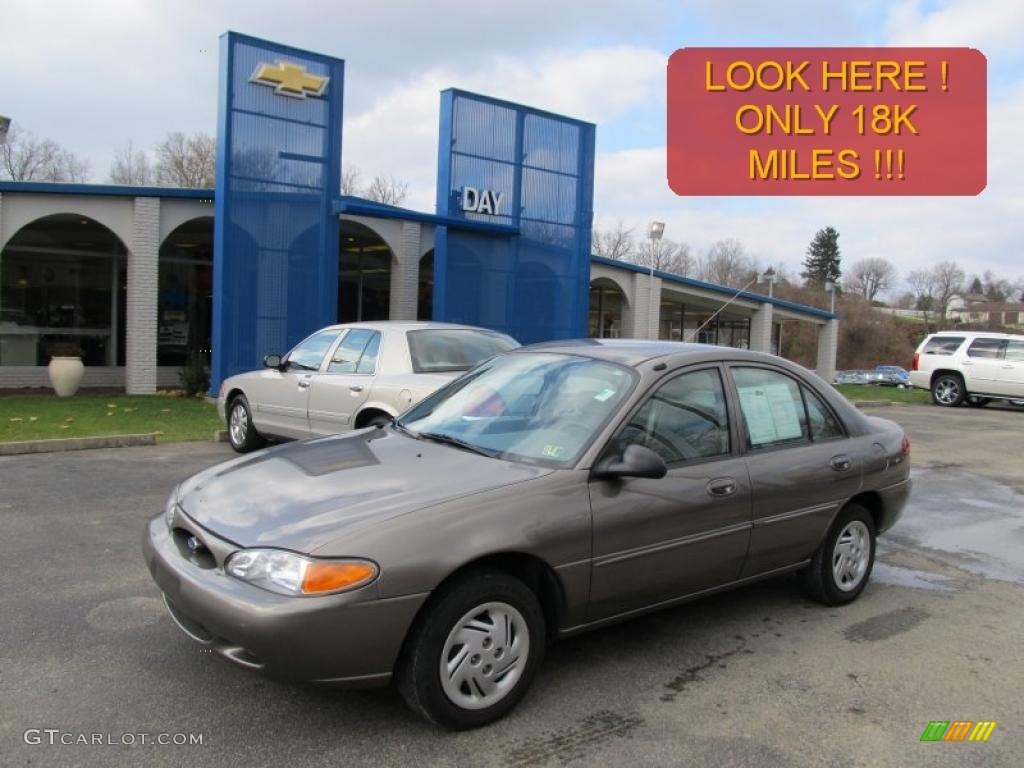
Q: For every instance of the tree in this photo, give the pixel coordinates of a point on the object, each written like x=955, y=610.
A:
x=922, y=285
x=186, y=161
x=665, y=255
x=726, y=263
x=130, y=167
x=615, y=244
x=822, y=261
x=25, y=157
x=947, y=281
x=870, y=276
x=387, y=190
x=351, y=180
x=996, y=288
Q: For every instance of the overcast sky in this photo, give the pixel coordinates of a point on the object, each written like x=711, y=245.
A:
x=95, y=75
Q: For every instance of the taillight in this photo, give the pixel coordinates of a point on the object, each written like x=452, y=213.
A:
x=913, y=365
x=905, y=446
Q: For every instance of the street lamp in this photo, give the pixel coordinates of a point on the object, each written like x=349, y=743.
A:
x=654, y=231
x=769, y=277
x=830, y=286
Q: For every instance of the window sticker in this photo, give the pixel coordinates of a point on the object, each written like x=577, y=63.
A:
x=771, y=413
x=552, y=451
x=604, y=394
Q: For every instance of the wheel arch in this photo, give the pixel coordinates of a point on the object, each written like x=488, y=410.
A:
x=533, y=571
x=873, y=503
x=368, y=411
x=945, y=371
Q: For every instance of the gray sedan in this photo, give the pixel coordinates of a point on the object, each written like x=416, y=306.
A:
x=550, y=490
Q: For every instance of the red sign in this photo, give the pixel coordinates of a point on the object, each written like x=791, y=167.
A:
x=827, y=121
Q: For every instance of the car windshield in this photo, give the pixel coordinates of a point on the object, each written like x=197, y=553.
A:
x=442, y=350
x=539, y=408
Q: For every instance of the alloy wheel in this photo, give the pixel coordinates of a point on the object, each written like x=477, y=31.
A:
x=851, y=555
x=484, y=656
x=947, y=391
x=239, y=425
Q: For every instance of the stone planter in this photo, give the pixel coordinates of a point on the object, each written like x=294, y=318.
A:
x=66, y=375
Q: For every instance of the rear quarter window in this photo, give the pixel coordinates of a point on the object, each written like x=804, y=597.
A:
x=943, y=345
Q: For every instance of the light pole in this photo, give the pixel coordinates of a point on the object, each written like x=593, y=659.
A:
x=769, y=277
x=654, y=231
x=830, y=286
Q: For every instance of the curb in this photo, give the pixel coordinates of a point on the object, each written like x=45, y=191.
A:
x=76, y=444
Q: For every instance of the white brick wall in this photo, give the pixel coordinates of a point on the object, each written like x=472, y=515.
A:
x=405, y=273
x=828, y=344
x=141, y=313
x=761, y=328
x=646, y=307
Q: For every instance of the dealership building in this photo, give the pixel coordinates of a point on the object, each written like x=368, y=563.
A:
x=140, y=278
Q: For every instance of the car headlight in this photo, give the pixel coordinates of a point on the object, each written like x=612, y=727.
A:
x=170, y=506
x=287, y=573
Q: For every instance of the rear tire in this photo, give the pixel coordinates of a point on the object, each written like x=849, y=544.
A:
x=473, y=651
x=842, y=565
x=241, y=433
x=948, y=390
x=380, y=420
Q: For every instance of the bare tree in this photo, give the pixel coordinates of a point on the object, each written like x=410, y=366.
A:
x=665, y=255
x=387, y=190
x=186, y=161
x=948, y=280
x=351, y=180
x=871, y=276
x=130, y=166
x=25, y=157
x=726, y=263
x=615, y=243
x=922, y=285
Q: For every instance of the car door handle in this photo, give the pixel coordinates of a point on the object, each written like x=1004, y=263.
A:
x=721, y=486
x=1008, y=367
x=840, y=463
x=303, y=384
x=356, y=388
x=966, y=362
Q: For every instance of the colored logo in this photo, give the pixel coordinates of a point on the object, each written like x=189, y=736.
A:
x=958, y=730
x=290, y=79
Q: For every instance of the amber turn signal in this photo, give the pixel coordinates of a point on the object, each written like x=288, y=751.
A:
x=323, y=577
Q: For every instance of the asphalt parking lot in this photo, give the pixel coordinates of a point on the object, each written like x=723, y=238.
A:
x=759, y=676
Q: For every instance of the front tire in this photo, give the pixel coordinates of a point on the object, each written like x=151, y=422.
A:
x=474, y=651
x=241, y=433
x=948, y=390
x=842, y=565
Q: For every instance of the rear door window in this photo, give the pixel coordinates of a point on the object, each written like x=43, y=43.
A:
x=986, y=348
x=943, y=345
x=347, y=356
x=1015, y=351
x=773, y=409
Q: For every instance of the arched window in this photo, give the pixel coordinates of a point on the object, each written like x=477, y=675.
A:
x=364, y=274
x=62, y=291
x=185, y=300
x=607, y=302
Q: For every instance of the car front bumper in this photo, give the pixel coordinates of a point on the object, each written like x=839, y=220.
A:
x=349, y=639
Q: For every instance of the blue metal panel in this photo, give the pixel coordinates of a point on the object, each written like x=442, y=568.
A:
x=534, y=286
x=275, y=232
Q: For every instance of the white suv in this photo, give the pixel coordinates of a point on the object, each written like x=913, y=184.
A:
x=970, y=367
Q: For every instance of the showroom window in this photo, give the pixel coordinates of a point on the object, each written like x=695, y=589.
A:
x=185, y=299
x=62, y=292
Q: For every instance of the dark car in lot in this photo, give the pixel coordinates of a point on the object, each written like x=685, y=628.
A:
x=550, y=490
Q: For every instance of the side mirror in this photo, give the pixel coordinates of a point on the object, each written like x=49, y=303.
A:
x=635, y=461
x=272, y=361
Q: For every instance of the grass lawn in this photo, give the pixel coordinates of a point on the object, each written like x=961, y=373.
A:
x=42, y=417
x=896, y=395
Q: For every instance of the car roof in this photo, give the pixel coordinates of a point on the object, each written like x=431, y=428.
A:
x=633, y=352
x=976, y=334
x=405, y=325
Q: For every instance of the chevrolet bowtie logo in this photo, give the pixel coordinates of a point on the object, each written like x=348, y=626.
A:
x=289, y=79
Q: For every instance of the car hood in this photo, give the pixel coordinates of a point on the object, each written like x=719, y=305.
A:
x=300, y=496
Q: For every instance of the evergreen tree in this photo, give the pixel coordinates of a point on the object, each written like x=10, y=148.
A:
x=822, y=262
